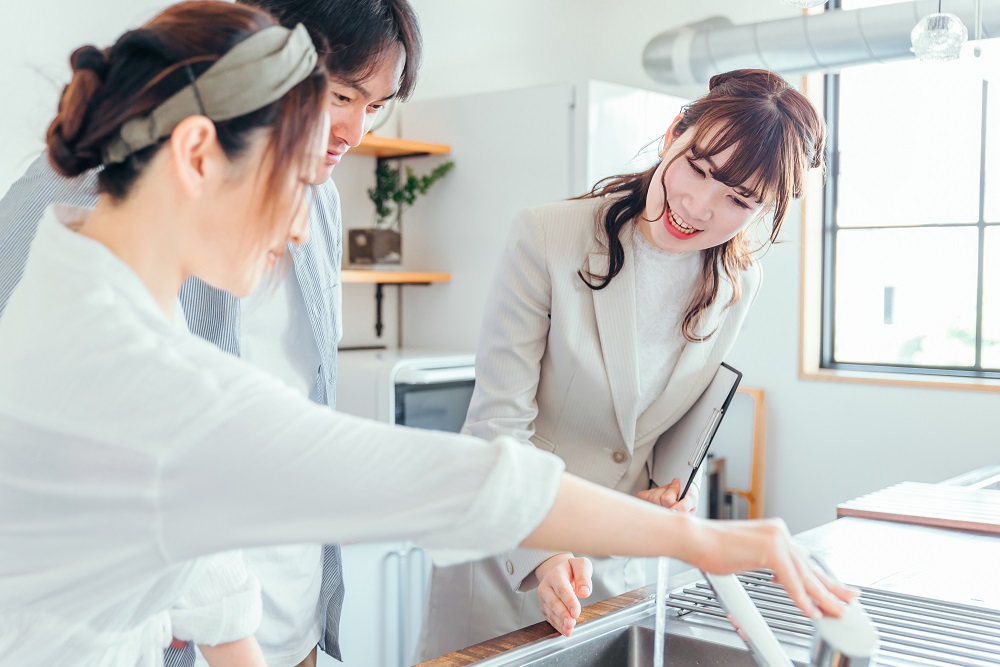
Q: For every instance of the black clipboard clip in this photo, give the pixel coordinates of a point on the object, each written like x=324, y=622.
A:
x=727, y=380
x=702, y=450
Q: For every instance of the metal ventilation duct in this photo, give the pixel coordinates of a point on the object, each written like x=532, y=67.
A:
x=692, y=54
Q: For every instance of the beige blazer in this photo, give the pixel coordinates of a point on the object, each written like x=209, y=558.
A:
x=556, y=367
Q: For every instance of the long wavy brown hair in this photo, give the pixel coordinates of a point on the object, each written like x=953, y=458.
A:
x=777, y=135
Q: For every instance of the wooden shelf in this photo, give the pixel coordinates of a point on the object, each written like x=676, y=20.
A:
x=380, y=277
x=389, y=147
x=393, y=277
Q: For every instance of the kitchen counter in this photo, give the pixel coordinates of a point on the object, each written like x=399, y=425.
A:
x=536, y=632
x=955, y=566
x=959, y=567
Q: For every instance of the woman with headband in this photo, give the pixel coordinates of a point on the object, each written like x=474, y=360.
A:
x=72, y=592
x=372, y=50
x=131, y=450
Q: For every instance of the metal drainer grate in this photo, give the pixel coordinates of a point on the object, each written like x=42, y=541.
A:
x=913, y=631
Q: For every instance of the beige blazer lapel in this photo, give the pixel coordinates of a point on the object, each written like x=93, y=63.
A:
x=614, y=308
x=692, y=371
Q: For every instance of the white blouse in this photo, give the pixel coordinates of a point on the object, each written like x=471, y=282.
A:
x=130, y=449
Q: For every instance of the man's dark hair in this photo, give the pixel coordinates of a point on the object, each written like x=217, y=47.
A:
x=358, y=34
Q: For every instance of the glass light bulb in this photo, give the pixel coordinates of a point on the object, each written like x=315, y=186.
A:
x=804, y=3
x=939, y=37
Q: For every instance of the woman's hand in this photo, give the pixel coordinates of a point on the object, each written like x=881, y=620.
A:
x=666, y=496
x=592, y=519
x=562, y=579
x=734, y=546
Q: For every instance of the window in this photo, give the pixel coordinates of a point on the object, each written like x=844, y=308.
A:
x=911, y=219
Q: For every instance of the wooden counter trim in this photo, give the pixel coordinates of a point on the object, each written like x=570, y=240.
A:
x=935, y=505
x=532, y=633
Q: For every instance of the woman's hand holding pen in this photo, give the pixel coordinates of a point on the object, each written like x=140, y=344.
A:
x=666, y=496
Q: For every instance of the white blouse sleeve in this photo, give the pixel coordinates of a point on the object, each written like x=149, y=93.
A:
x=222, y=604
x=255, y=464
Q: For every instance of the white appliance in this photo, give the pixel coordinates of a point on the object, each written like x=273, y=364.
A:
x=386, y=583
x=413, y=388
x=512, y=149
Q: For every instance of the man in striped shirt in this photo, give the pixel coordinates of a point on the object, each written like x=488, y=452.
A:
x=291, y=327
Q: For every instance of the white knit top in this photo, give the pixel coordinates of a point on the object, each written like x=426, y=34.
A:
x=664, y=283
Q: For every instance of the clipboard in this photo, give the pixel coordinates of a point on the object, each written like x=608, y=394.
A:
x=684, y=446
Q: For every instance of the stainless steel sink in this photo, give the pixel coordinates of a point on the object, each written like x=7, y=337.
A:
x=632, y=646
x=914, y=632
x=625, y=639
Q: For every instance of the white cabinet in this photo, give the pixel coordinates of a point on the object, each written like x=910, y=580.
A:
x=386, y=590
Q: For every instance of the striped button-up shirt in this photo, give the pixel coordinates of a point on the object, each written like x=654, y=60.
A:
x=210, y=313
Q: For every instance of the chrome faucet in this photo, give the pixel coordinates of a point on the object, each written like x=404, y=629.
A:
x=848, y=641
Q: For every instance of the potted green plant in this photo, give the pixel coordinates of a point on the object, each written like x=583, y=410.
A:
x=381, y=243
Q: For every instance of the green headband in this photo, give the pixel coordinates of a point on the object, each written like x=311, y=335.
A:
x=256, y=72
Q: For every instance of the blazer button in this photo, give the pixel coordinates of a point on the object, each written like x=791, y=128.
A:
x=619, y=456
x=510, y=567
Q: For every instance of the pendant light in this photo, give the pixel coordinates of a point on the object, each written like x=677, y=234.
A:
x=939, y=37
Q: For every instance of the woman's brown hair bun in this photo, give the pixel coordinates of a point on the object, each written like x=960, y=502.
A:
x=749, y=82
x=90, y=58
x=90, y=67
x=720, y=79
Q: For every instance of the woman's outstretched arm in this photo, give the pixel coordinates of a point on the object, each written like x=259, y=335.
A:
x=587, y=518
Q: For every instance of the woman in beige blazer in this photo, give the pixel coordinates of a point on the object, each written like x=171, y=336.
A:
x=608, y=317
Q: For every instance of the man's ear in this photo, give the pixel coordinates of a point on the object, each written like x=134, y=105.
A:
x=671, y=134
x=197, y=157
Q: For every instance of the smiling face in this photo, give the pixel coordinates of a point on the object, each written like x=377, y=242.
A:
x=700, y=211
x=354, y=106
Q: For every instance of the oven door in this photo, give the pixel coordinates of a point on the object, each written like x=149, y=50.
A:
x=434, y=398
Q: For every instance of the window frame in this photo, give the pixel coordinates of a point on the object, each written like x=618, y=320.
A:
x=828, y=238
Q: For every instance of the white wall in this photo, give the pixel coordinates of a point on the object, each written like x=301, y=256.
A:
x=519, y=43
x=36, y=40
